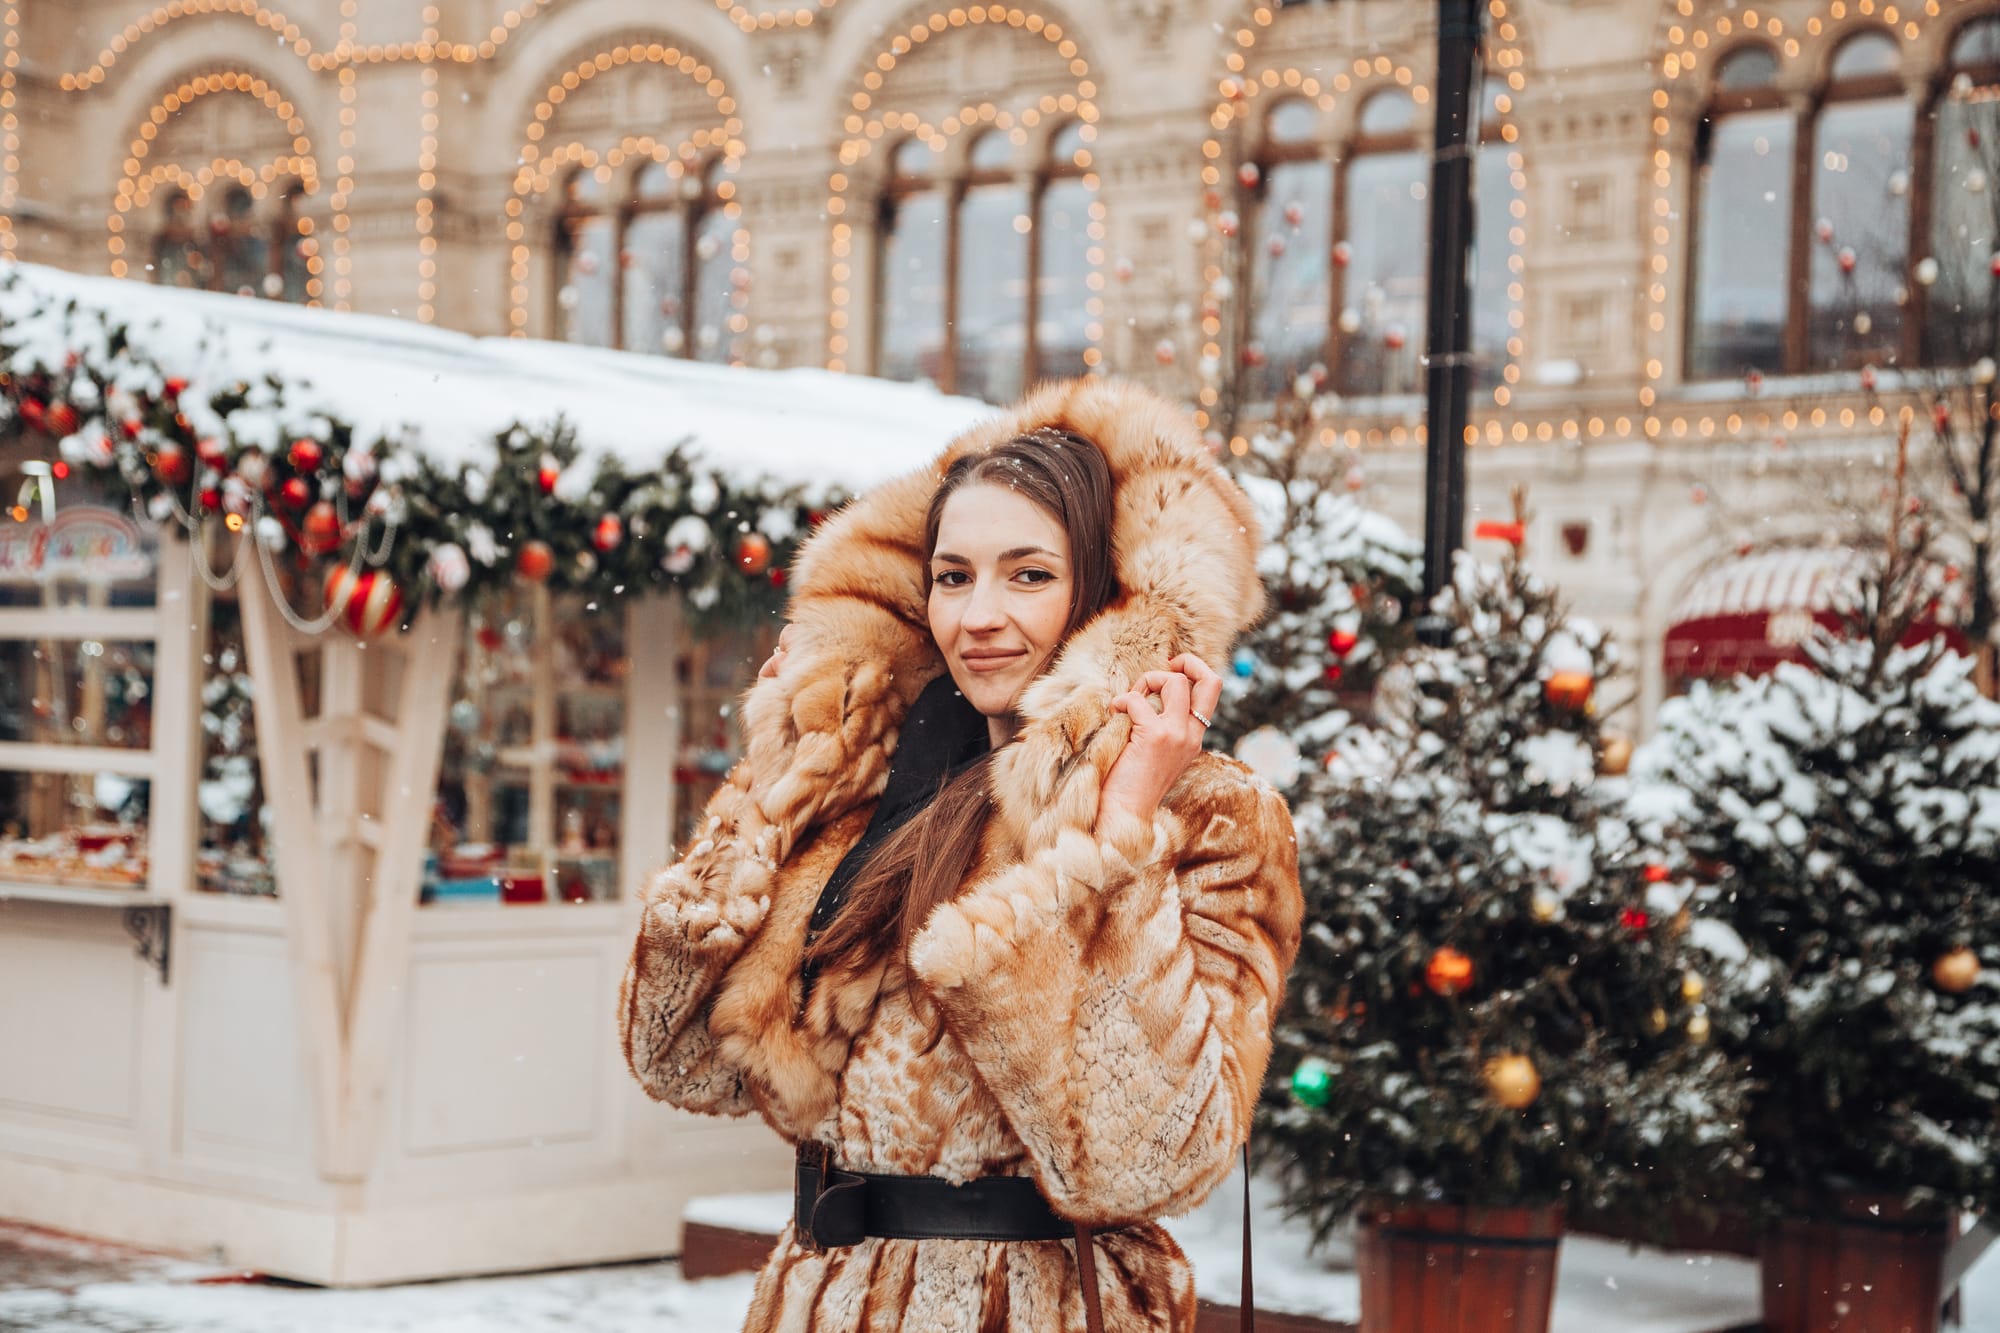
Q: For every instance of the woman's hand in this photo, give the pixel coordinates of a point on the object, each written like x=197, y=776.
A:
x=1164, y=740
x=777, y=657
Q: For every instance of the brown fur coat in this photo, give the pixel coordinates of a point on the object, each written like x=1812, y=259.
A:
x=1106, y=995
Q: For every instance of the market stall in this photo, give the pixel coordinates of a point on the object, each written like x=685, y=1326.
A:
x=353, y=676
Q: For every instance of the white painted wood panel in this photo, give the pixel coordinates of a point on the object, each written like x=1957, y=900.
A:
x=242, y=1084
x=497, y=1055
x=70, y=985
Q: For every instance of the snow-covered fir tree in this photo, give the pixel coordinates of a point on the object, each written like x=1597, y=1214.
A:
x=1842, y=821
x=1494, y=1003
x=1336, y=576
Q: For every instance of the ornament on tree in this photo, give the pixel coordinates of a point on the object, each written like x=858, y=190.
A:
x=610, y=531
x=320, y=533
x=1243, y=664
x=1569, y=690
x=211, y=499
x=1545, y=906
x=1163, y=351
x=449, y=567
x=1228, y=223
x=367, y=602
x=212, y=452
x=753, y=553
x=1248, y=175
x=171, y=465
x=1957, y=971
x=1312, y=1082
x=1693, y=988
x=294, y=493
x=1448, y=973
x=1355, y=479
x=535, y=562
x=1846, y=259
x=1512, y=1081
x=1271, y=755
x=1614, y=759
x=305, y=455
x=547, y=473
x=1343, y=254
x=1342, y=641
x=254, y=468
x=1635, y=919
x=62, y=420
x=1699, y=1027
x=174, y=388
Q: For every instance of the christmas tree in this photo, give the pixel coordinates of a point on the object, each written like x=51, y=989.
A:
x=1841, y=819
x=1494, y=1004
x=1337, y=577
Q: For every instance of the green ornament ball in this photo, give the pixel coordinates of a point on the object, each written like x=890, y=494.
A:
x=1312, y=1082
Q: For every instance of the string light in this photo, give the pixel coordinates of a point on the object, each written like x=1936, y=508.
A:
x=864, y=131
x=541, y=166
x=427, y=148
x=140, y=179
x=10, y=123
x=759, y=19
x=343, y=185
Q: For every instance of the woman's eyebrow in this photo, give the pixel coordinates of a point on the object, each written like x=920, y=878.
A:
x=1013, y=553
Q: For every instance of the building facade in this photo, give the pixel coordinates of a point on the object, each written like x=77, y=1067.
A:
x=1721, y=249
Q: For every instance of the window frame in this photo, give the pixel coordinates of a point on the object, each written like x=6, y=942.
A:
x=628, y=205
x=278, y=216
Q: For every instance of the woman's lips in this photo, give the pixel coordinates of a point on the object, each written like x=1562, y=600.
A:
x=991, y=661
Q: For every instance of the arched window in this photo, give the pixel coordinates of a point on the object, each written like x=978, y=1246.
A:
x=984, y=273
x=1845, y=245
x=1960, y=309
x=1744, y=161
x=650, y=269
x=240, y=247
x=1860, y=208
x=1336, y=255
x=1498, y=240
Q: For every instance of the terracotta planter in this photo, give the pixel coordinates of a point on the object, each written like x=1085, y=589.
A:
x=1856, y=1263
x=1442, y=1268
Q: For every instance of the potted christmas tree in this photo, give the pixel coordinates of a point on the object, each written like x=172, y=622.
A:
x=1493, y=1015
x=1843, y=819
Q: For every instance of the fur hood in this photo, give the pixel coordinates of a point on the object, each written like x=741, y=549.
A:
x=1185, y=544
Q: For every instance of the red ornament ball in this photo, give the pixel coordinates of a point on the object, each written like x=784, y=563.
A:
x=1343, y=255
x=610, y=531
x=305, y=455
x=174, y=387
x=171, y=465
x=1847, y=259
x=1655, y=873
x=295, y=494
x=535, y=561
x=320, y=533
x=213, y=453
x=368, y=602
x=1343, y=641
x=547, y=474
x=211, y=499
x=1569, y=689
x=753, y=553
x=1634, y=919
x=62, y=420
x=1248, y=175
x=33, y=413
x=1448, y=972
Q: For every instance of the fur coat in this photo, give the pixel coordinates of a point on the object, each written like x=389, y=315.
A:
x=1095, y=1007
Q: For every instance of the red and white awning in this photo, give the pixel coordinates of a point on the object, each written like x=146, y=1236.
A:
x=1750, y=612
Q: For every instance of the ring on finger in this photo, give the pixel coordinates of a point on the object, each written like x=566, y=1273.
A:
x=1199, y=716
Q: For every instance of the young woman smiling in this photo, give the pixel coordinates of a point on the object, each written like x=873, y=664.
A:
x=976, y=923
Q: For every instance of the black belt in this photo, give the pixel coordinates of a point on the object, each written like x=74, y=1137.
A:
x=834, y=1208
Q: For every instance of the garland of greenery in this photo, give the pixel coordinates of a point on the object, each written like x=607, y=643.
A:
x=252, y=455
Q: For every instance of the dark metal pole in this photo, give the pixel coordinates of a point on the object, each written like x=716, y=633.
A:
x=1449, y=337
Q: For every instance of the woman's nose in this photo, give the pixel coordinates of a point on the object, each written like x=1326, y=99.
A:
x=983, y=609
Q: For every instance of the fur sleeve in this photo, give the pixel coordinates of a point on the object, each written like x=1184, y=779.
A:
x=697, y=917
x=1117, y=993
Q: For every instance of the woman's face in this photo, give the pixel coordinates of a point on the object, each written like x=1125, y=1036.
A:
x=1000, y=593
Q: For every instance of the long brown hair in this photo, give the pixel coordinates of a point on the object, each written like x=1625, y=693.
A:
x=926, y=861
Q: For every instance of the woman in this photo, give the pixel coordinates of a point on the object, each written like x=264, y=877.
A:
x=975, y=907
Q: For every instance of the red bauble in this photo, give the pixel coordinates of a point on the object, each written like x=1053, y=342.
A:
x=1333, y=673
x=306, y=455
x=753, y=553
x=211, y=499
x=320, y=533
x=1248, y=175
x=1342, y=641
x=1253, y=355
x=1343, y=255
x=130, y=427
x=535, y=561
x=1657, y=874
x=33, y=413
x=368, y=603
x=1448, y=972
x=1394, y=338
x=1634, y=920
x=610, y=530
x=171, y=465
x=295, y=494
x=1847, y=260
x=1569, y=689
x=174, y=387
x=62, y=420
x=213, y=453
x=547, y=473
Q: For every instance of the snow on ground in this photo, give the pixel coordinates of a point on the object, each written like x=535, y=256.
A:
x=53, y=1284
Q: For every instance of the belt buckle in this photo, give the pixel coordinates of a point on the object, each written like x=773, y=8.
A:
x=815, y=1161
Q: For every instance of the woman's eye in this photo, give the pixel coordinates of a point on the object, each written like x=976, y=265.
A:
x=1035, y=575
x=949, y=578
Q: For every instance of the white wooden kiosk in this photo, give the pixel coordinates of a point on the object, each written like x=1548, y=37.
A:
x=325, y=1079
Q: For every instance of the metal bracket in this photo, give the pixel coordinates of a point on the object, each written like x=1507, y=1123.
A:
x=151, y=927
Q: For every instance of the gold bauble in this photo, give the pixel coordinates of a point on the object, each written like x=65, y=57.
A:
x=1615, y=757
x=1693, y=988
x=1698, y=1027
x=1656, y=1022
x=1955, y=972
x=1546, y=906
x=1512, y=1081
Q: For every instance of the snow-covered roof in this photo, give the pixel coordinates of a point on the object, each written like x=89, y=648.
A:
x=447, y=394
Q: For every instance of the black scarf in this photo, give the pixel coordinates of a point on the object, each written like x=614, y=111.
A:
x=942, y=735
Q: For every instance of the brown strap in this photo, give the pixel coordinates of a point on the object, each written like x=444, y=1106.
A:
x=1086, y=1272
x=1247, y=1306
